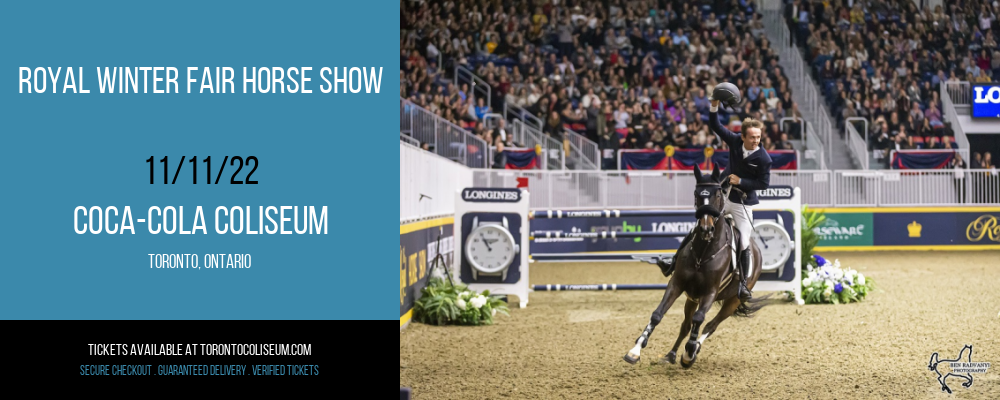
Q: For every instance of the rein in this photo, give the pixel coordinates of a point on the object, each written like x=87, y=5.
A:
x=698, y=261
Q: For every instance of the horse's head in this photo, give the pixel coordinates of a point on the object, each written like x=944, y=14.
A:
x=709, y=200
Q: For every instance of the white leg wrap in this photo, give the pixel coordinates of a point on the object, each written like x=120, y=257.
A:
x=638, y=348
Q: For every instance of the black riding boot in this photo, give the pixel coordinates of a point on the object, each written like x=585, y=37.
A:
x=744, y=273
x=667, y=266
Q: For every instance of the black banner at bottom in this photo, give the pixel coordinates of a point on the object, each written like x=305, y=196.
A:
x=175, y=351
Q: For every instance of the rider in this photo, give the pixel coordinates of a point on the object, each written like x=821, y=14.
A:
x=749, y=169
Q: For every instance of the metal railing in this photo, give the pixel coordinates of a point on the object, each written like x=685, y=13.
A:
x=553, y=150
x=809, y=98
x=950, y=114
x=449, y=140
x=812, y=145
x=477, y=86
x=512, y=112
x=586, y=151
x=490, y=120
x=856, y=143
x=408, y=140
x=960, y=92
x=674, y=189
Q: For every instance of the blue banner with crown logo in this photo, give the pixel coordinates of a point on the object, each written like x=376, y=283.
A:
x=937, y=228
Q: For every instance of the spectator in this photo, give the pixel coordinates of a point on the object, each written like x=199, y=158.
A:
x=784, y=143
x=959, y=166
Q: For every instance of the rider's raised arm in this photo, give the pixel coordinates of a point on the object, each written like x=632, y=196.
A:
x=724, y=134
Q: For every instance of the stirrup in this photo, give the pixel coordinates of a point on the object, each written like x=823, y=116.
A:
x=744, y=293
x=666, y=266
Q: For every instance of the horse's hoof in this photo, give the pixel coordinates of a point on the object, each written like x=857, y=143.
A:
x=671, y=357
x=691, y=348
x=629, y=358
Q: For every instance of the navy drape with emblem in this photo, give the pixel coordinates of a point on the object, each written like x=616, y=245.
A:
x=921, y=160
x=647, y=159
x=780, y=159
x=521, y=159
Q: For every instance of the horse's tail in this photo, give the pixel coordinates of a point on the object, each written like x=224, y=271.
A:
x=748, y=309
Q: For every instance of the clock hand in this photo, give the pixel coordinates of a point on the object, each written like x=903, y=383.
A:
x=488, y=248
x=763, y=241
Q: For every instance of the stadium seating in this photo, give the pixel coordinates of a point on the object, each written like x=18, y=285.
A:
x=638, y=77
x=873, y=60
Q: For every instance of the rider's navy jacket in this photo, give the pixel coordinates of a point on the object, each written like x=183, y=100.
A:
x=754, y=171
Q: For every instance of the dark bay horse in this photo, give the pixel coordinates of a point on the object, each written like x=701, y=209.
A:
x=704, y=272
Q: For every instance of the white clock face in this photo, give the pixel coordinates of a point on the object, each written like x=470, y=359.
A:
x=775, y=246
x=490, y=248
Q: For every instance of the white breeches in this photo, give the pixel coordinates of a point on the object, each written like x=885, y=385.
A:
x=742, y=219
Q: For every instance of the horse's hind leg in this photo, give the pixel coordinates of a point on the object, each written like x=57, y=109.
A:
x=693, y=346
x=968, y=380
x=689, y=308
x=728, y=308
x=669, y=296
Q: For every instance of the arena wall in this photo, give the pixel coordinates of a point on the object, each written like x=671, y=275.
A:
x=427, y=185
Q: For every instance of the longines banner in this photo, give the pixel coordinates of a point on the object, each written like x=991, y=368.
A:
x=182, y=194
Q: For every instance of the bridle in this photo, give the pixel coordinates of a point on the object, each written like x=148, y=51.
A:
x=707, y=208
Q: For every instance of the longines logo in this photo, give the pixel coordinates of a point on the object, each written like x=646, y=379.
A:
x=775, y=192
x=985, y=226
x=492, y=195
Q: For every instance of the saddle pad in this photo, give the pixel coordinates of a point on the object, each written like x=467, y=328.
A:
x=733, y=245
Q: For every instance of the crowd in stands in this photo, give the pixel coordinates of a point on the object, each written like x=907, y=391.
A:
x=883, y=60
x=627, y=74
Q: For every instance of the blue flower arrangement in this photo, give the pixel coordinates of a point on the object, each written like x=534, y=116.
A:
x=829, y=283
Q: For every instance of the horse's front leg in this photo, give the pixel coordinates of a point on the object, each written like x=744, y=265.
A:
x=669, y=296
x=692, y=347
x=689, y=308
x=944, y=386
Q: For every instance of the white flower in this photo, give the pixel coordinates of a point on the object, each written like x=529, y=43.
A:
x=464, y=295
x=827, y=285
x=494, y=313
x=861, y=279
x=836, y=263
x=806, y=282
x=477, y=301
x=461, y=304
x=812, y=276
x=828, y=292
x=838, y=274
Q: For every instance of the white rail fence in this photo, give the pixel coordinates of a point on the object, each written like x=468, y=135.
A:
x=674, y=189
